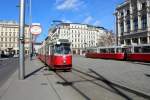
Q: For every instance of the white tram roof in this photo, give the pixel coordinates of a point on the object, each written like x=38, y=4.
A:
x=124, y=46
x=58, y=41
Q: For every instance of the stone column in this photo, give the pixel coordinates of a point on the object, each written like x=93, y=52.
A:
x=148, y=39
x=76, y=51
x=139, y=40
x=125, y=42
x=131, y=24
x=131, y=18
x=139, y=21
x=118, y=29
x=139, y=15
x=118, y=23
x=148, y=15
x=131, y=41
x=81, y=51
x=124, y=20
x=119, y=41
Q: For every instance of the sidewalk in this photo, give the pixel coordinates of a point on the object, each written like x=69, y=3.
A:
x=34, y=87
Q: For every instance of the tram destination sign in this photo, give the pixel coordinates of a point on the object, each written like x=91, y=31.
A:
x=35, y=29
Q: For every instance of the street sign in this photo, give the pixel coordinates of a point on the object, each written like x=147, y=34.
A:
x=35, y=29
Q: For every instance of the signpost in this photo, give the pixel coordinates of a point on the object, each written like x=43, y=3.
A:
x=35, y=30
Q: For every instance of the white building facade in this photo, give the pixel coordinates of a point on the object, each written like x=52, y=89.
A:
x=9, y=37
x=133, y=22
x=81, y=36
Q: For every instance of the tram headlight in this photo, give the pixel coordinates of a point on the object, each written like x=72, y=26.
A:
x=64, y=61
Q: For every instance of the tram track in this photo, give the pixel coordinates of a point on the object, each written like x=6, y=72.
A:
x=96, y=79
x=118, y=85
x=70, y=83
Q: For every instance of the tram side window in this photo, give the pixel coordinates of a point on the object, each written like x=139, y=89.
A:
x=146, y=49
x=129, y=50
x=90, y=50
x=52, y=50
x=47, y=50
x=137, y=49
x=119, y=50
x=103, y=50
x=112, y=50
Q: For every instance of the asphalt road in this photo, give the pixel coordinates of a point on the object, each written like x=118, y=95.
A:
x=7, y=67
x=133, y=75
x=101, y=79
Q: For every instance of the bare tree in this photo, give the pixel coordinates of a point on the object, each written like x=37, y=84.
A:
x=107, y=39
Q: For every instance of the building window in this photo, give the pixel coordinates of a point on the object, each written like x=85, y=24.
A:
x=122, y=41
x=135, y=40
x=143, y=5
x=122, y=14
x=135, y=24
x=122, y=28
x=2, y=33
x=144, y=22
x=143, y=40
x=128, y=42
x=128, y=25
x=128, y=12
x=6, y=33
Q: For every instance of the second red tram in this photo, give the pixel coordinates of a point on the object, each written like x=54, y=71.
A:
x=131, y=52
x=56, y=54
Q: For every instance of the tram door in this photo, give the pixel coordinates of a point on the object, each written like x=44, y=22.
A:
x=46, y=54
x=51, y=52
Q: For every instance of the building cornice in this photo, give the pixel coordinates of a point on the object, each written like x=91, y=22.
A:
x=122, y=5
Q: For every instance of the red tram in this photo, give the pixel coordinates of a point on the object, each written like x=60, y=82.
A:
x=56, y=54
x=134, y=53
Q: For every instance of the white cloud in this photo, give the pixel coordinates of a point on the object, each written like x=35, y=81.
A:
x=88, y=20
x=96, y=23
x=66, y=21
x=68, y=4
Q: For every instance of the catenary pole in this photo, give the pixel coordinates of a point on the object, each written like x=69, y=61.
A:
x=21, y=40
x=30, y=23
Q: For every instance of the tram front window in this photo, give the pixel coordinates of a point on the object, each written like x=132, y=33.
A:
x=62, y=49
x=66, y=50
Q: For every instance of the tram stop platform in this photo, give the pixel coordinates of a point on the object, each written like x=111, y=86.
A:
x=35, y=86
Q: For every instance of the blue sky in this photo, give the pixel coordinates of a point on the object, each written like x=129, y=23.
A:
x=94, y=12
